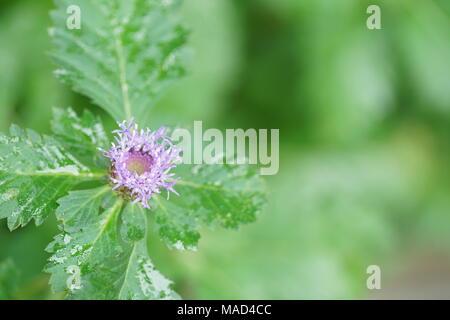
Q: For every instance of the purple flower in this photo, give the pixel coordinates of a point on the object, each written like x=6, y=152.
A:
x=141, y=161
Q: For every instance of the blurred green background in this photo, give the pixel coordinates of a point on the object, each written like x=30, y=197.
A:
x=364, y=118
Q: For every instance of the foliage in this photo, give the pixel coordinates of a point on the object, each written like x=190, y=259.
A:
x=123, y=58
x=125, y=54
x=364, y=123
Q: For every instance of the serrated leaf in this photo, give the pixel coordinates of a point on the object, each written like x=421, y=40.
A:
x=9, y=278
x=112, y=261
x=35, y=171
x=82, y=136
x=215, y=195
x=125, y=54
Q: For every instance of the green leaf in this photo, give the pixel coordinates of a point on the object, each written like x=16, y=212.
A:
x=9, y=278
x=125, y=54
x=104, y=243
x=35, y=171
x=216, y=195
x=82, y=136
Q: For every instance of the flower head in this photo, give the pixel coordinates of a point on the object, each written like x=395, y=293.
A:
x=141, y=161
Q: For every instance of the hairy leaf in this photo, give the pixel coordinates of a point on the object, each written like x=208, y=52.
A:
x=82, y=136
x=103, y=243
x=125, y=54
x=35, y=171
x=216, y=195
